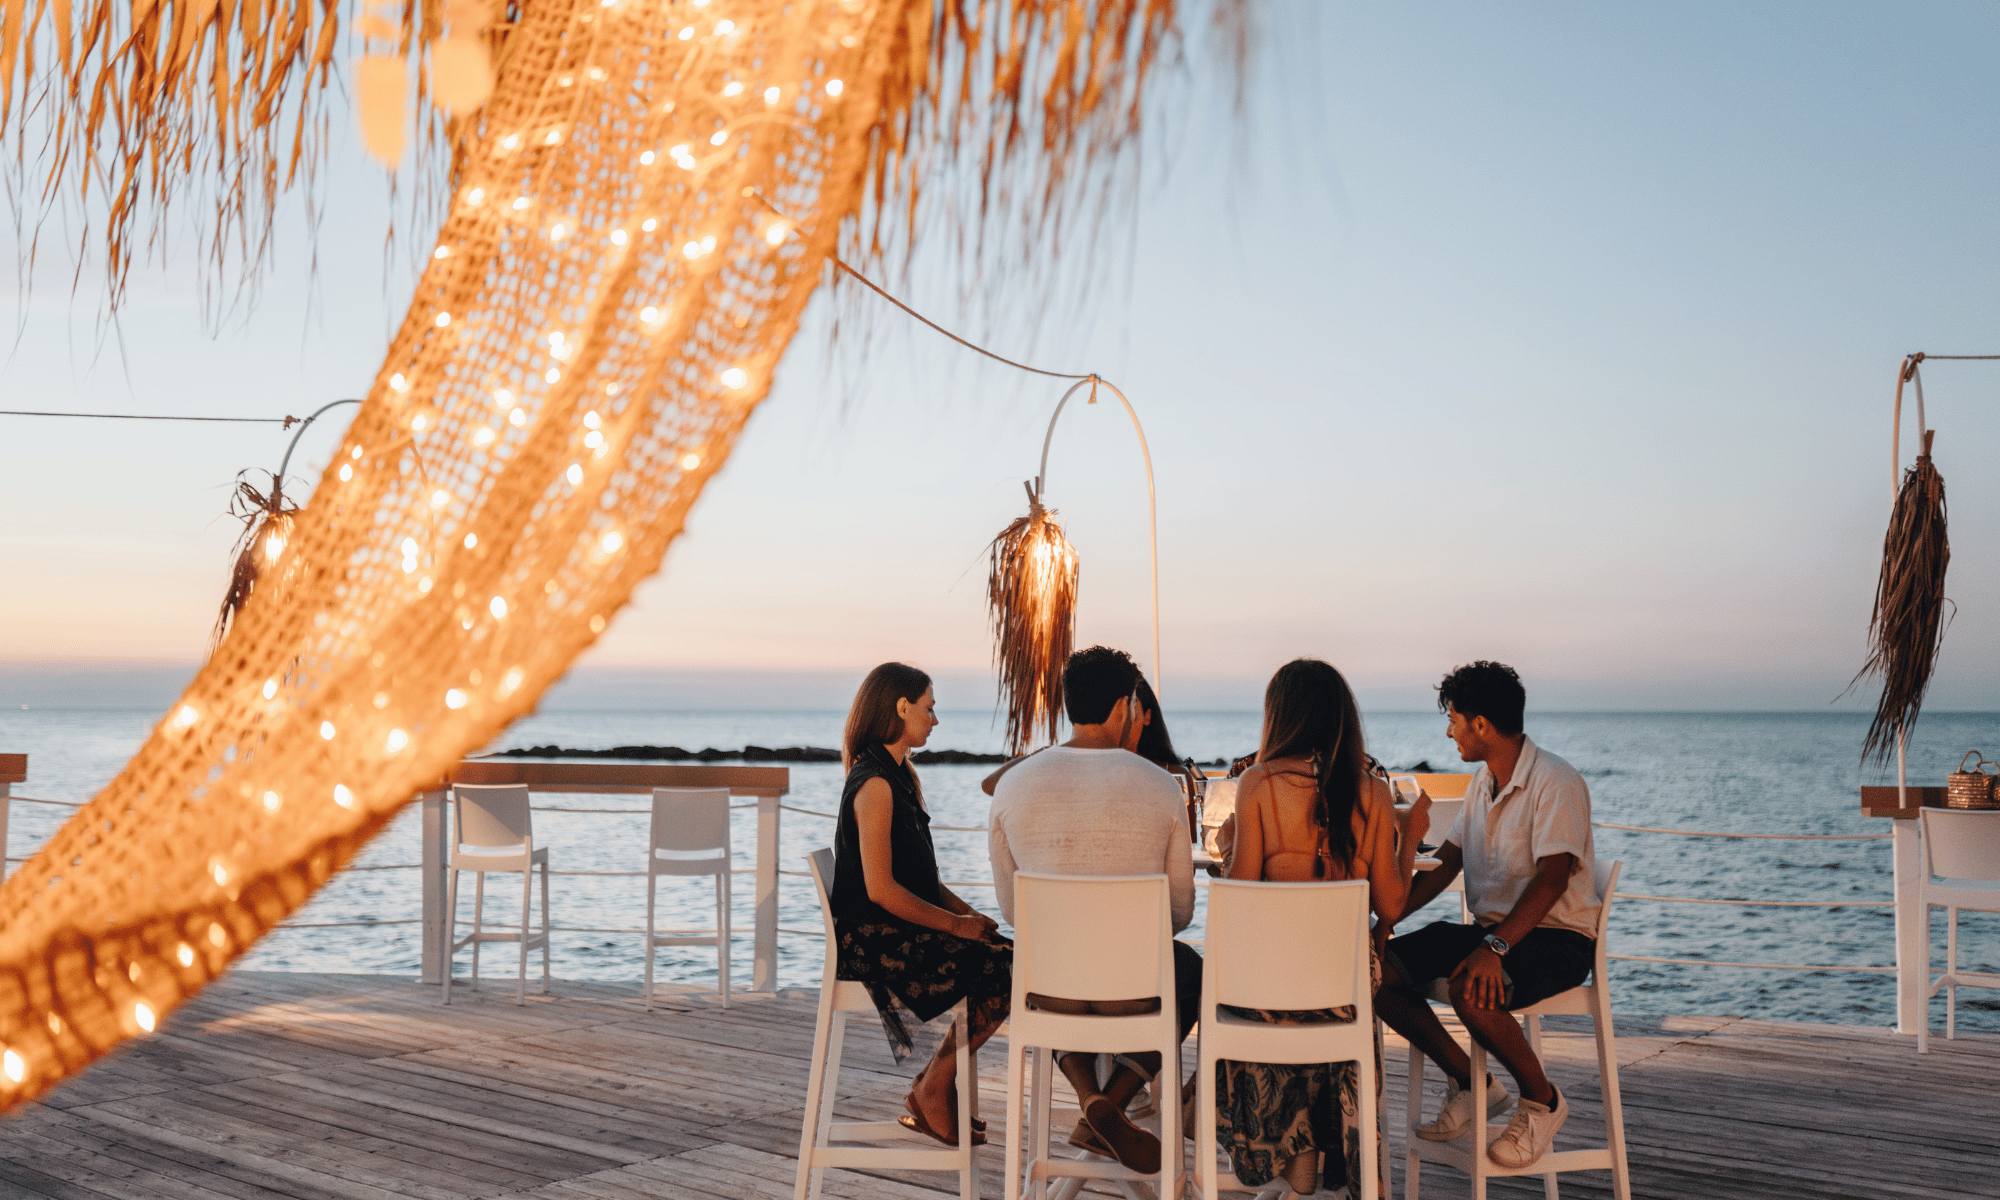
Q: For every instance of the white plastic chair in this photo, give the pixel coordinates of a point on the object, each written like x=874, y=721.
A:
x=838, y=998
x=1089, y=938
x=1285, y=946
x=1961, y=870
x=690, y=838
x=493, y=830
x=1468, y=1153
x=1444, y=814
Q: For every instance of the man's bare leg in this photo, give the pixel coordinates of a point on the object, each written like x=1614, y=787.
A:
x=1409, y=1014
x=1500, y=1032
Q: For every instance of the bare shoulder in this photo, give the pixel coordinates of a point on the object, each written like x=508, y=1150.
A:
x=873, y=794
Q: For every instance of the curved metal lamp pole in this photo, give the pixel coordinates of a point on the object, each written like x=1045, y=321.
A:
x=278, y=485
x=1152, y=505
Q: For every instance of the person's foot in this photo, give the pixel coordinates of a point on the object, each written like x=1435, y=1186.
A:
x=1455, y=1117
x=1529, y=1134
x=1083, y=1137
x=1302, y=1172
x=1133, y=1147
x=939, y=1122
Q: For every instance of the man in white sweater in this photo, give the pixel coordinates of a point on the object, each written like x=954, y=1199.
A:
x=1092, y=807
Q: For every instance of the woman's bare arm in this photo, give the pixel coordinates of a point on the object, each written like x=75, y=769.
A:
x=1246, y=855
x=874, y=810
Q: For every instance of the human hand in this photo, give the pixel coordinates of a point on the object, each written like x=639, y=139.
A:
x=1479, y=979
x=1415, y=821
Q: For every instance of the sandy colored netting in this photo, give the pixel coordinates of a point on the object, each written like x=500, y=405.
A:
x=609, y=295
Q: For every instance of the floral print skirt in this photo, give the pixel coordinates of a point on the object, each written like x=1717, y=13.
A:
x=1266, y=1113
x=916, y=974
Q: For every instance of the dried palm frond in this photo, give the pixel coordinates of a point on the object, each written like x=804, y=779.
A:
x=1031, y=596
x=1909, y=620
x=267, y=530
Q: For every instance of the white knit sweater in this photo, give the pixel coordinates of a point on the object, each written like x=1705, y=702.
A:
x=1091, y=812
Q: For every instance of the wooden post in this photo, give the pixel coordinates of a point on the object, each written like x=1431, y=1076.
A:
x=765, y=977
x=433, y=871
x=13, y=770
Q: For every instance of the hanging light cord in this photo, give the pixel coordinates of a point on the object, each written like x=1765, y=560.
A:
x=286, y=421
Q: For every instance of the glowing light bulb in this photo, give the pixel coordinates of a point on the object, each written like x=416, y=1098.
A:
x=725, y=28
x=721, y=136
x=16, y=1069
x=185, y=716
x=440, y=498
x=471, y=540
x=735, y=377
x=687, y=33
x=611, y=541
x=270, y=689
x=574, y=474
x=512, y=682
x=143, y=1016
x=775, y=235
x=326, y=730
x=217, y=937
x=558, y=231
x=443, y=319
x=420, y=422
x=649, y=314
x=410, y=547
x=483, y=436
x=521, y=203
x=511, y=142
x=342, y=796
x=834, y=87
x=517, y=418
x=424, y=586
x=185, y=954
x=690, y=461
x=220, y=873
x=593, y=439
x=552, y=375
x=649, y=224
x=441, y=252
x=397, y=740
x=708, y=243
x=399, y=383
x=476, y=196
x=273, y=801
x=554, y=138
x=734, y=89
x=498, y=607
x=771, y=95
x=273, y=547
x=619, y=237
x=611, y=389
x=597, y=74
x=503, y=397
x=692, y=249
x=597, y=624
x=453, y=698
x=591, y=420
x=346, y=472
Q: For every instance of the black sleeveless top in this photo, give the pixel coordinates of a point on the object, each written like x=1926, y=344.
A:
x=913, y=858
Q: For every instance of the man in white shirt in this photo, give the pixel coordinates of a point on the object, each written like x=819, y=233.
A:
x=1523, y=840
x=1092, y=807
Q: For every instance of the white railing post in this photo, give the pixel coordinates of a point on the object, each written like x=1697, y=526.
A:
x=765, y=977
x=1912, y=972
x=434, y=890
x=6, y=808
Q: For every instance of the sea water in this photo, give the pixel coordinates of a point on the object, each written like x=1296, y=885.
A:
x=1791, y=773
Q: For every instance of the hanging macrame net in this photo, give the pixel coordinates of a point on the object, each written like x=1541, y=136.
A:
x=611, y=289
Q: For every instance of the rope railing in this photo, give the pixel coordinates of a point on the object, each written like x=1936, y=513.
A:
x=1790, y=837
x=1763, y=903
x=33, y=800
x=1702, y=962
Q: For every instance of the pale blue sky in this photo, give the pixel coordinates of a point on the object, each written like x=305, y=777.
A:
x=1558, y=333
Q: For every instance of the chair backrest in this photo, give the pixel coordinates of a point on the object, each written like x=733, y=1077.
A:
x=1961, y=843
x=492, y=818
x=820, y=864
x=1444, y=814
x=1287, y=945
x=690, y=831
x=1443, y=786
x=1092, y=937
x=1606, y=878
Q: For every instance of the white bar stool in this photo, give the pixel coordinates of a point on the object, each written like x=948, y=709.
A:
x=838, y=998
x=1961, y=857
x=1122, y=951
x=1468, y=1153
x=690, y=839
x=493, y=830
x=1286, y=946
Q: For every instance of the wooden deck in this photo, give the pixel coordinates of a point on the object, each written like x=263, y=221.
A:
x=348, y=1087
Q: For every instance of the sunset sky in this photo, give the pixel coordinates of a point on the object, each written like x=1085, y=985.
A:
x=1563, y=334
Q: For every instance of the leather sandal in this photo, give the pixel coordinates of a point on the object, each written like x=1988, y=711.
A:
x=1134, y=1148
x=913, y=1119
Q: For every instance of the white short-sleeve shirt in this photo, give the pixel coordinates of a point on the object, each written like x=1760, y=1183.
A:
x=1543, y=810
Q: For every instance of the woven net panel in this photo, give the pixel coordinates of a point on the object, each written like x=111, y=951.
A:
x=608, y=298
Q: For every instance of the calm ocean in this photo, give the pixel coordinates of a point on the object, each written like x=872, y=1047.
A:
x=1721, y=772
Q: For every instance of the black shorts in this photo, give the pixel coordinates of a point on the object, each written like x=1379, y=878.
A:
x=1545, y=963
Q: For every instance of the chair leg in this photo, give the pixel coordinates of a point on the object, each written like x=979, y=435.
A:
x=812, y=1130
x=1206, y=1150
x=968, y=1093
x=1412, y=1165
x=652, y=881
x=1479, y=1131
x=478, y=921
x=1040, y=1097
x=547, y=940
x=1010, y=1183
x=527, y=895
x=1614, y=1108
x=450, y=927
x=1927, y=991
x=1369, y=1186
x=722, y=983
x=1950, y=973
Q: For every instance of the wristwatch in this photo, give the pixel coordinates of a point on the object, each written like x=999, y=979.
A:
x=1497, y=945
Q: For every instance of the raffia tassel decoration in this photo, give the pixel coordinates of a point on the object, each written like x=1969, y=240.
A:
x=1909, y=620
x=1031, y=597
x=260, y=549
x=601, y=312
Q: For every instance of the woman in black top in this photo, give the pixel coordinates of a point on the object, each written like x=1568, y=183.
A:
x=919, y=948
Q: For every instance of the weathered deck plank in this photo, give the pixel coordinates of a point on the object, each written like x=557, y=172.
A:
x=366, y=1088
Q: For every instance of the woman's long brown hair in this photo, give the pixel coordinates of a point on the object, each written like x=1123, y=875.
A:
x=872, y=718
x=1309, y=712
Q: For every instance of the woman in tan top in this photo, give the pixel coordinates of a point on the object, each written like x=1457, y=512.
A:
x=1310, y=810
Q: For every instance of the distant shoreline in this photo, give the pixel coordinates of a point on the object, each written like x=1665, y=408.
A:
x=782, y=754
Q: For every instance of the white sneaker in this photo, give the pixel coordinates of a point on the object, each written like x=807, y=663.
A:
x=1456, y=1116
x=1529, y=1134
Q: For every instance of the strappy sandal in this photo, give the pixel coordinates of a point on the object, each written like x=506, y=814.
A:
x=913, y=1119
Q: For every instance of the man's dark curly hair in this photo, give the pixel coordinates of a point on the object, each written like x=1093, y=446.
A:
x=1094, y=680
x=1486, y=689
